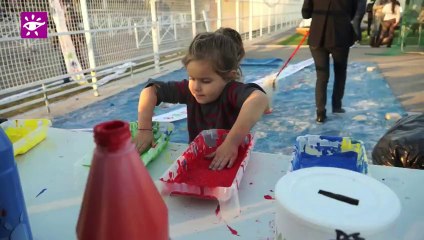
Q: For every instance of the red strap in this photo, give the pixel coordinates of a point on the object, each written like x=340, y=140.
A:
x=292, y=55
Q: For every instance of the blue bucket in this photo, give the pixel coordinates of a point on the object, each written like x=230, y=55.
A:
x=329, y=151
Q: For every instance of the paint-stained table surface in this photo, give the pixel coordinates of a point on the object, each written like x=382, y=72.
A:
x=53, y=180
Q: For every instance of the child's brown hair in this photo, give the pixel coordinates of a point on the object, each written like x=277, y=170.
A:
x=223, y=49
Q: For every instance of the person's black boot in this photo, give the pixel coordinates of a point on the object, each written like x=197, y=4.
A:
x=321, y=117
x=339, y=110
x=389, y=44
x=378, y=43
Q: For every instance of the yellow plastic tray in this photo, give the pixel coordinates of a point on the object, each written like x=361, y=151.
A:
x=25, y=133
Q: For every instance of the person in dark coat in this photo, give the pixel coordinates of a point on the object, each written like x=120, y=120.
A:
x=331, y=32
x=370, y=14
x=357, y=20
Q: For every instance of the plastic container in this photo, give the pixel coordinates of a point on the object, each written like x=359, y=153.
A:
x=161, y=131
x=328, y=151
x=190, y=175
x=120, y=199
x=323, y=203
x=14, y=223
x=25, y=133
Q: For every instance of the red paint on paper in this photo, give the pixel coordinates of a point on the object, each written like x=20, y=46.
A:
x=268, y=197
x=196, y=170
x=233, y=231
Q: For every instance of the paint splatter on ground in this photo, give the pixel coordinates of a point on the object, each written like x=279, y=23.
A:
x=217, y=210
x=217, y=213
x=269, y=197
x=367, y=99
x=233, y=231
x=367, y=94
x=41, y=192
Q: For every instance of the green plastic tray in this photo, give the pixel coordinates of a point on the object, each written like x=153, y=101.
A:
x=161, y=132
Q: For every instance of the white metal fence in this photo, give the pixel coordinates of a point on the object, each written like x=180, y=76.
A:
x=89, y=38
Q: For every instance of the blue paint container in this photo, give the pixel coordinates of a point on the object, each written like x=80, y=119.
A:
x=14, y=223
x=329, y=151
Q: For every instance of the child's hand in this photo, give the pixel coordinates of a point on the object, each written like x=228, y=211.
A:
x=224, y=156
x=143, y=141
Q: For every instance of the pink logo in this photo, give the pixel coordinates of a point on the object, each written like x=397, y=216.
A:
x=34, y=24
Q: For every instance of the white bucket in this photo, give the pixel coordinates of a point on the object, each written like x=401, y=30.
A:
x=333, y=203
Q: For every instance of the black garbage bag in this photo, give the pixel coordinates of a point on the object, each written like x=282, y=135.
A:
x=403, y=144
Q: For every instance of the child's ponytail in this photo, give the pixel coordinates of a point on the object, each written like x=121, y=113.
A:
x=235, y=36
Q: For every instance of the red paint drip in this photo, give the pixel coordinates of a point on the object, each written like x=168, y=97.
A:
x=233, y=231
x=268, y=197
x=218, y=208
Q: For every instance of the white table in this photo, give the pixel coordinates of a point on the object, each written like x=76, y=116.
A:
x=56, y=165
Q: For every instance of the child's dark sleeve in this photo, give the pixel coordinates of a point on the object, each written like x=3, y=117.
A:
x=238, y=93
x=170, y=92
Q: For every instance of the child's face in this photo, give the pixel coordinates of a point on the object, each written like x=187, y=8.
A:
x=204, y=83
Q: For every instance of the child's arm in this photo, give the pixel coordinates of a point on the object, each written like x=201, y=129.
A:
x=250, y=112
x=155, y=93
x=146, y=104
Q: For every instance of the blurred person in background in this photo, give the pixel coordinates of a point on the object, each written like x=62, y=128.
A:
x=357, y=20
x=370, y=15
x=391, y=19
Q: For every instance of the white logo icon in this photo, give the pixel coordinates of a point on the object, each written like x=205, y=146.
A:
x=33, y=25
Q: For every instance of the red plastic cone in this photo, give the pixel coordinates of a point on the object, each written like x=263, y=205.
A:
x=120, y=199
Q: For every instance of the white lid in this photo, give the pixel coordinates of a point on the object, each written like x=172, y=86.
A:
x=378, y=205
